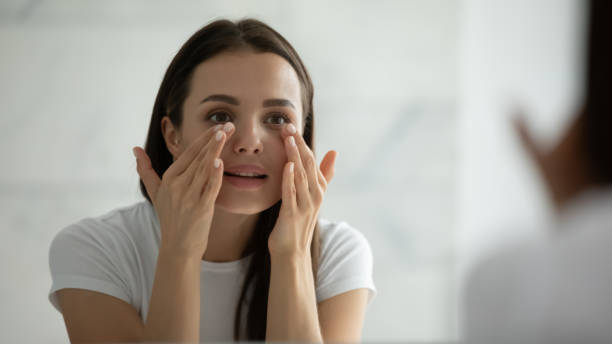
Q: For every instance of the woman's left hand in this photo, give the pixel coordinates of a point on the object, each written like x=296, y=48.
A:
x=303, y=187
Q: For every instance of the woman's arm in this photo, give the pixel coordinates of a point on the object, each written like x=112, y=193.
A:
x=341, y=317
x=184, y=202
x=292, y=303
x=174, y=312
x=293, y=314
x=113, y=320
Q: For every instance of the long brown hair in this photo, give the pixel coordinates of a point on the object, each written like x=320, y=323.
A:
x=213, y=39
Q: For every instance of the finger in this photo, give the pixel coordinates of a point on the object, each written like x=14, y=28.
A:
x=328, y=165
x=299, y=174
x=322, y=181
x=527, y=141
x=288, y=187
x=185, y=158
x=147, y=174
x=210, y=191
x=327, y=168
x=310, y=165
x=205, y=167
x=216, y=144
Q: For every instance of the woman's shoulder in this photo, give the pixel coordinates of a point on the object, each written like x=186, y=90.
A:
x=345, y=262
x=105, y=253
x=340, y=235
x=343, y=247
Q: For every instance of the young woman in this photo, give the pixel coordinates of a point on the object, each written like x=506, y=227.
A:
x=228, y=244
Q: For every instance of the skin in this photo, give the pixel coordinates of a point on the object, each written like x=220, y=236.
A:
x=563, y=167
x=202, y=217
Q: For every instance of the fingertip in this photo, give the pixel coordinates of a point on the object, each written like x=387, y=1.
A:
x=517, y=121
x=290, y=166
x=334, y=155
x=228, y=127
x=329, y=159
x=291, y=129
x=288, y=130
x=138, y=155
x=520, y=127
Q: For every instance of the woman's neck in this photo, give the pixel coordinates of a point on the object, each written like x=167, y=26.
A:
x=229, y=234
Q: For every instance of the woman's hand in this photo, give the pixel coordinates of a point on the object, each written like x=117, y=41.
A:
x=184, y=198
x=304, y=185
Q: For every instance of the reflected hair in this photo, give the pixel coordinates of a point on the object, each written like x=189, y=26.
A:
x=215, y=38
x=598, y=109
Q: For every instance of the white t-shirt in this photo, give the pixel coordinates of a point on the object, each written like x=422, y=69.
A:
x=116, y=254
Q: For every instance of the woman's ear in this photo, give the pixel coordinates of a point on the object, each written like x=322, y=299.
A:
x=171, y=136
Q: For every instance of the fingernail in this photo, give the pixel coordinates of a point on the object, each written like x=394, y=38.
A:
x=217, y=163
x=219, y=136
x=291, y=128
x=291, y=167
x=228, y=127
x=218, y=127
x=291, y=141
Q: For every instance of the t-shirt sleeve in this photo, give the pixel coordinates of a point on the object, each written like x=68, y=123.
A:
x=82, y=257
x=345, y=262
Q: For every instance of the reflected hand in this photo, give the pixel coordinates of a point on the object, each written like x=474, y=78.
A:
x=563, y=168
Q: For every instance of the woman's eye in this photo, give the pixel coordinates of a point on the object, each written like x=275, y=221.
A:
x=277, y=119
x=220, y=117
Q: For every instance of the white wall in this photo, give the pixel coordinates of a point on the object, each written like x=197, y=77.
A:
x=513, y=53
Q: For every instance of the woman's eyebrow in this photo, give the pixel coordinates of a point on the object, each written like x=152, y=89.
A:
x=221, y=98
x=277, y=102
x=234, y=101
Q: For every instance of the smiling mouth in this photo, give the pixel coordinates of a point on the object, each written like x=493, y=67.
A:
x=246, y=175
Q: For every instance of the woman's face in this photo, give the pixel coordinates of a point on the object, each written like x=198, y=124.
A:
x=260, y=94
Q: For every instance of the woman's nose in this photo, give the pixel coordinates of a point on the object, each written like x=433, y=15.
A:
x=247, y=140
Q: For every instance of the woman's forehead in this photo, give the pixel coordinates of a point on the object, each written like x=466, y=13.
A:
x=247, y=76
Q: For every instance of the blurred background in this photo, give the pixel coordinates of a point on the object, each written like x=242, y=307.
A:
x=415, y=95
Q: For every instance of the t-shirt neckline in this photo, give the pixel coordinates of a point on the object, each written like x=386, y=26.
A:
x=233, y=265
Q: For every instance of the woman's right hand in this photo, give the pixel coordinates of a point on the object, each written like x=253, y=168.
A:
x=184, y=198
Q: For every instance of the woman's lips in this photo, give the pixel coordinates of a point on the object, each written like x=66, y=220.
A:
x=245, y=176
x=244, y=182
x=235, y=169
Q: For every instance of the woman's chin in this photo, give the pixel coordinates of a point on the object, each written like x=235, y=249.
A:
x=246, y=203
x=242, y=207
